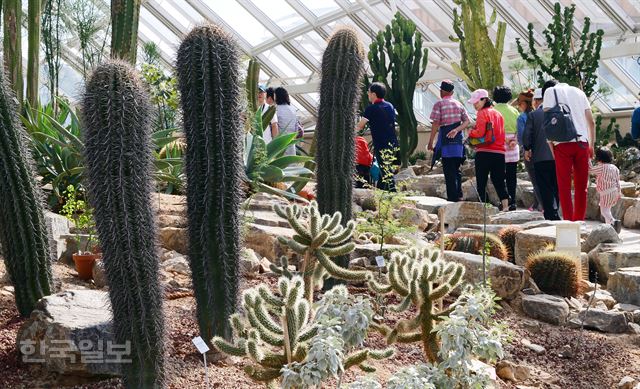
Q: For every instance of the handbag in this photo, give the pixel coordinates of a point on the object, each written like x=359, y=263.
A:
x=486, y=139
x=299, y=130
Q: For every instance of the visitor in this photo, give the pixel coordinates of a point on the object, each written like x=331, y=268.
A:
x=264, y=104
x=489, y=154
x=364, y=160
x=538, y=151
x=635, y=123
x=381, y=117
x=502, y=96
x=525, y=106
x=287, y=119
x=572, y=157
x=448, y=120
x=607, y=185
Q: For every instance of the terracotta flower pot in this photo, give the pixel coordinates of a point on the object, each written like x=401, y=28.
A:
x=84, y=264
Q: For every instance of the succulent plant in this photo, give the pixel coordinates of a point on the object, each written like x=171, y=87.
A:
x=473, y=243
x=119, y=169
x=554, y=273
x=508, y=237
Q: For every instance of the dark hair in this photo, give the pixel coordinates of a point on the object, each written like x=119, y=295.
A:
x=502, y=94
x=604, y=155
x=282, y=96
x=547, y=85
x=487, y=102
x=379, y=89
x=270, y=92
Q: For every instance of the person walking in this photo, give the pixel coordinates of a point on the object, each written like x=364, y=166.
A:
x=287, y=119
x=525, y=106
x=502, y=96
x=381, y=116
x=572, y=157
x=488, y=135
x=539, y=152
x=448, y=120
x=607, y=185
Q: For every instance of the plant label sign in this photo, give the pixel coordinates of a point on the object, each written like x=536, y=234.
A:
x=380, y=261
x=200, y=344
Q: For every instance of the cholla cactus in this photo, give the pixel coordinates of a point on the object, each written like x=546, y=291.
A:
x=317, y=238
x=421, y=278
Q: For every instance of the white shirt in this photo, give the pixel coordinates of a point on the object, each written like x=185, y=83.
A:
x=577, y=102
x=266, y=133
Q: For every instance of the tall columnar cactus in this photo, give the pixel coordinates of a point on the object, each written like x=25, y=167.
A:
x=342, y=69
x=397, y=53
x=33, y=62
x=554, y=273
x=318, y=238
x=479, y=57
x=251, y=85
x=575, y=64
x=420, y=278
x=125, y=15
x=12, y=44
x=119, y=166
x=23, y=233
x=210, y=93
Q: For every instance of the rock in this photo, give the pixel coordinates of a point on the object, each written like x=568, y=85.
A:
x=602, y=233
x=265, y=265
x=531, y=325
x=249, y=263
x=266, y=218
x=627, y=383
x=405, y=174
x=574, y=303
x=464, y=212
x=177, y=265
x=168, y=254
x=586, y=286
x=179, y=221
x=532, y=241
x=536, y=348
x=359, y=194
x=98, y=274
x=566, y=352
x=419, y=170
x=174, y=238
x=470, y=192
x=551, y=309
x=600, y=305
x=70, y=246
x=412, y=217
x=614, y=257
x=429, y=185
x=634, y=329
x=371, y=250
x=75, y=329
x=481, y=368
x=632, y=217
x=605, y=321
x=359, y=263
x=516, y=217
x=507, y=279
x=601, y=296
x=57, y=226
x=511, y=371
x=428, y=203
x=624, y=285
x=625, y=307
x=264, y=241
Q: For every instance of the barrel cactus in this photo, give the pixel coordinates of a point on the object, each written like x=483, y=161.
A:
x=508, y=237
x=554, y=273
x=342, y=69
x=23, y=233
x=211, y=98
x=474, y=243
x=119, y=166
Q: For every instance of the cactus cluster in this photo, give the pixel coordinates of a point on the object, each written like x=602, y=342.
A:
x=317, y=238
x=421, y=278
x=554, y=273
x=119, y=162
x=23, y=232
x=508, y=237
x=474, y=243
x=210, y=92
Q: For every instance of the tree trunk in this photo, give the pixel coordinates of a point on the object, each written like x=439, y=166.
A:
x=12, y=15
x=33, y=61
x=125, y=15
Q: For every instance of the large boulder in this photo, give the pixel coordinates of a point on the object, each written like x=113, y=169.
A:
x=531, y=241
x=70, y=333
x=360, y=194
x=429, y=185
x=614, y=257
x=428, y=203
x=57, y=226
x=372, y=250
x=174, y=238
x=632, y=217
x=470, y=191
x=507, y=279
x=266, y=218
x=177, y=264
x=415, y=217
x=602, y=233
x=516, y=217
x=606, y=321
x=264, y=241
x=249, y=263
x=618, y=211
x=178, y=221
x=624, y=285
x=465, y=212
x=548, y=308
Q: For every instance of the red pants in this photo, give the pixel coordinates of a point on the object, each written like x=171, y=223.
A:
x=572, y=159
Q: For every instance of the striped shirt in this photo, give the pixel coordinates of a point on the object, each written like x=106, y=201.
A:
x=448, y=111
x=607, y=183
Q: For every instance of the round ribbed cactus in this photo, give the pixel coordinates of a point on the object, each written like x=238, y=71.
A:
x=119, y=166
x=473, y=243
x=508, y=237
x=554, y=273
x=210, y=93
x=342, y=69
x=23, y=233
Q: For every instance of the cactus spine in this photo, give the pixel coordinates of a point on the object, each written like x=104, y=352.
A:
x=118, y=153
x=420, y=277
x=472, y=243
x=210, y=93
x=554, y=273
x=23, y=232
x=407, y=62
x=125, y=15
x=577, y=67
x=342, y=69
x=479, y=57
x=508, y=237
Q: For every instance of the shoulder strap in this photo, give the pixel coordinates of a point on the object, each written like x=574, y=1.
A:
x=556, y=95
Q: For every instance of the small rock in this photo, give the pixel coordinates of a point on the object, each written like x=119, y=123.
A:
x=551, y=309
x=566, y=352
x=536, y=348
x=627, y=383
x=249, y=263
x=586, y=285
x=177, y=265
x=636, y=316
x=574, y=303
x=626, y=307
x=601, y=295
x=511, y=371
x=624, y=285
x=605, y=321
x=634, y=328
x=600, y=305
x=531, y=326
x=601, y=233
x=359, y=263
x=265, y=265
x=98, y=274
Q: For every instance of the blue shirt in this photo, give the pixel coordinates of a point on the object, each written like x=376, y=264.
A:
x=382, y=116
x=635, y=123
x=522, y=121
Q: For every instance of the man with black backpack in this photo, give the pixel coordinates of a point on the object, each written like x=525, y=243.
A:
x=569, y=126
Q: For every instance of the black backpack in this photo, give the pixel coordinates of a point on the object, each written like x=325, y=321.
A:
x=558, y=125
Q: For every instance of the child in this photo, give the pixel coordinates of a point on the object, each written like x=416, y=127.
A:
x=607, y=184
x=364, y=159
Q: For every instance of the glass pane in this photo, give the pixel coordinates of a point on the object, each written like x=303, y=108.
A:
x=620, y=97
x=588, y=8
x=631, y=8
x=313, y=43
x=321, y=7
x=630, y=66
x=280, y=13
x=244, y=24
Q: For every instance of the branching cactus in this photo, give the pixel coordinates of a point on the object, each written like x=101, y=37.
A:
x=119, y=166
x=318, y=238
x=23, y=233
x=421, y=278
x=211, y=97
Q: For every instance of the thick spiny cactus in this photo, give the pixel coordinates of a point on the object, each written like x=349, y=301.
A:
x=342, y=69
x=23, y=233
x=474, y=243
x=508, y=237
x=119, y=166
x=210, y=92
x=479, y=57
x=317, y=238
x=125, y=17
x=420, y=278
x=401, y=43
x=554, y=273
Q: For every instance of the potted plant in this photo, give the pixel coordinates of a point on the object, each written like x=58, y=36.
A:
x=81, y=215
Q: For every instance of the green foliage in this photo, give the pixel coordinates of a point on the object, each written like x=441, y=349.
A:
x=397, y=54
x=119, y=165
x=479, y=57
x=23, y=231
x=84, y=23
x=164, y=95
x=79, y=212
x=474, y=243
x=53, y=28
x=416, y=156
x=125, y=15
x=575, y=63
x=508, y=237
x=554, y=273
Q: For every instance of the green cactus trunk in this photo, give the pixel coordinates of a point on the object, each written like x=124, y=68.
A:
x=119, y=166
x=12, y=45
x=251, y=85
x=33, y=61
x=211, y=97
x=125, y=15
x=342, y=69
x=23, y=232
